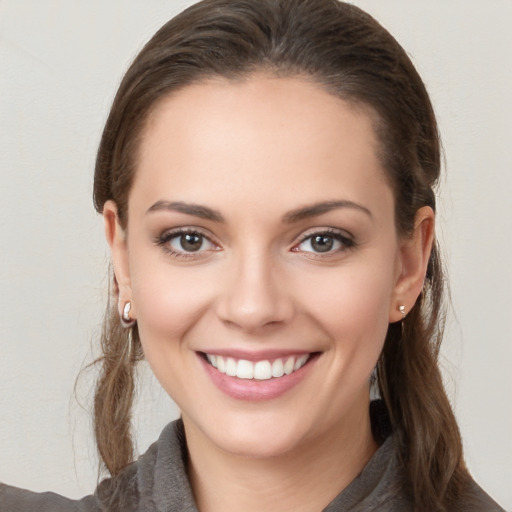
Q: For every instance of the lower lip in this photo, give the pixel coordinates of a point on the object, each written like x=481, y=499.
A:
x=256, y=390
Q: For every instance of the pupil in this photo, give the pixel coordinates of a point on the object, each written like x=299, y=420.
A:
x=322, y=243
x=191, y=242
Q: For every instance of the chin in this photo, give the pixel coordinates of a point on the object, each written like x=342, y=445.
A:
x=254, y=435
x=256, y=445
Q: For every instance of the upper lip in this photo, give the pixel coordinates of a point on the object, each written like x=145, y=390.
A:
x=260, y=355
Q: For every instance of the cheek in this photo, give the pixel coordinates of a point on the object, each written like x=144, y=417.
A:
x=169, y=300
x=170, y=303
x=352, y=306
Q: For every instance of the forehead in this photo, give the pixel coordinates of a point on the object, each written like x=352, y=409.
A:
x=286, y=139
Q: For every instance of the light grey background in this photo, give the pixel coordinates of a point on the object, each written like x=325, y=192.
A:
x=60, y=63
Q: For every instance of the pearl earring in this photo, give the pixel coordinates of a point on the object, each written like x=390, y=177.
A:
x=401, y=308
x=126, y=320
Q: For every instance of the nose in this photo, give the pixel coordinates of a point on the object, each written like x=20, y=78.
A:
x=255, y=295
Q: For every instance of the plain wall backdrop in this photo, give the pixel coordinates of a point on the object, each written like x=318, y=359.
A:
x=60, y=64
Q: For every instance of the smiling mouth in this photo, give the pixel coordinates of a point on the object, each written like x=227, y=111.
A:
x=258, y=370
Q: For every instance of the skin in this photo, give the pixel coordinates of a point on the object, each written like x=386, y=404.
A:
x=254, y=151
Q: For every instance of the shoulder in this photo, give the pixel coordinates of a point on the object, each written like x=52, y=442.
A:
x=381, y=487
x=156, y=481
x=475, y=499
x=13, y=499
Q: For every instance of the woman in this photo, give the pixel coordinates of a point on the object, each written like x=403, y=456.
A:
x=266, y=178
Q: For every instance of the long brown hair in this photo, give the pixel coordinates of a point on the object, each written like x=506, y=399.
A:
x=347, y=52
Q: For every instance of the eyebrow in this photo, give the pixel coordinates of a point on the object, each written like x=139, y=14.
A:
x=190, y=209
x=320, y=208
x=297, y=215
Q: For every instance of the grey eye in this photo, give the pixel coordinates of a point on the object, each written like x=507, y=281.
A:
x=320, y=243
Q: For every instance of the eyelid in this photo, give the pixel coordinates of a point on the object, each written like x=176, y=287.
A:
x=344, y=237
x=340, y=233
x=166, y=236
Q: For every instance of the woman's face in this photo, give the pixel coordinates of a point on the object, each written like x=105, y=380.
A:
x=261, y=240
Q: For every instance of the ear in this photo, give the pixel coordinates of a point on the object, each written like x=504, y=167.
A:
x=414, y=256
x=116, y=238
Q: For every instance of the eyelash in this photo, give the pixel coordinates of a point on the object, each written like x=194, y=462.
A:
x=164, y=239
x=346, y=242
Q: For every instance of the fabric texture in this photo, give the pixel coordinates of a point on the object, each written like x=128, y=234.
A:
x=158, y=482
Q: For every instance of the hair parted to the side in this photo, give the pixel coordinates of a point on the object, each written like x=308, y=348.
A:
x=350, y=55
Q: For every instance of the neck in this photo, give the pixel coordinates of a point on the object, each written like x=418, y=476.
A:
x=311, y=475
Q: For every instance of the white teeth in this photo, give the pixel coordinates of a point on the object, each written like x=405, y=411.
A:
x=245, y=369
x=261, y=370
x=288, y=366
x=231, y=367
x=277, y=368
x=221, y=364
x=301, y=361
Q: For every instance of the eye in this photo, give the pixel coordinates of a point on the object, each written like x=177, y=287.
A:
x=186, y=243
x=325, y=242
x=189, y=242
